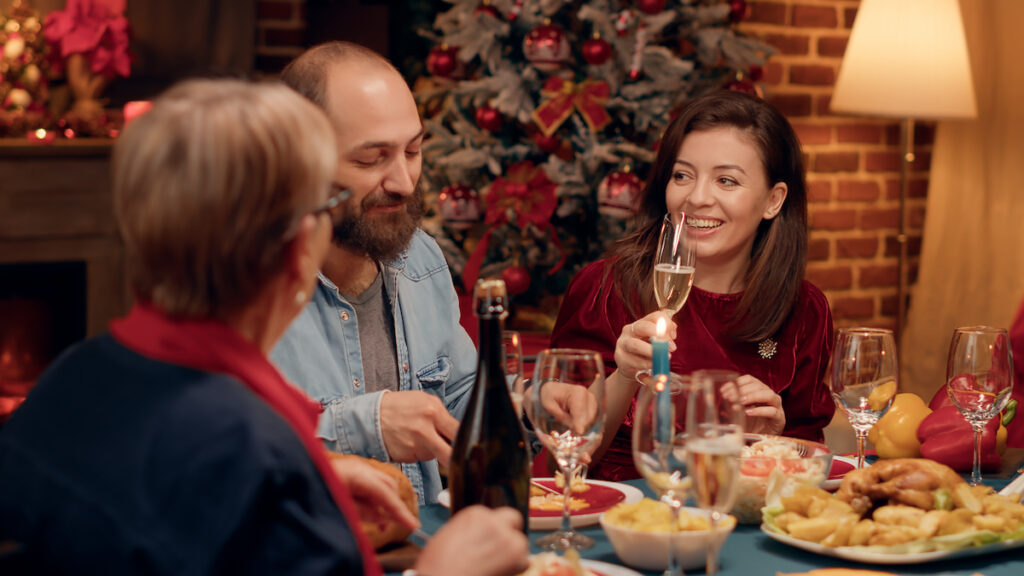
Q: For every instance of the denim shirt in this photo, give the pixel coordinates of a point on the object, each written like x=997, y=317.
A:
x=320, y=353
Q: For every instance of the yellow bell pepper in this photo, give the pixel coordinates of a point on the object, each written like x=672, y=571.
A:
x=895, y=433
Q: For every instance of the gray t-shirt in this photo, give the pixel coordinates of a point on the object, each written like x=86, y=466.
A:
x=377, y=337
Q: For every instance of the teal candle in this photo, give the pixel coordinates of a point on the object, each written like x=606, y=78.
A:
x=662, y=378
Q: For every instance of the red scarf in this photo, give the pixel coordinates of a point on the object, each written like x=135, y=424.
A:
x=212, y=346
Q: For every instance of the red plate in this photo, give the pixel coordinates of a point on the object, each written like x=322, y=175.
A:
x=600, y=497
x=839, y=469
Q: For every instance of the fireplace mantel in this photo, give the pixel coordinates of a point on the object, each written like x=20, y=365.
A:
x=55, y=205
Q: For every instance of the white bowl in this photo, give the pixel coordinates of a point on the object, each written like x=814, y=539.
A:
x=649, y=550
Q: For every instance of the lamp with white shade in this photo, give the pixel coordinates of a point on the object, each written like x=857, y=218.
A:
x=906, y=59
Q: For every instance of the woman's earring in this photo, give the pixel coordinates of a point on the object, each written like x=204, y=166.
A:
x=300, y=297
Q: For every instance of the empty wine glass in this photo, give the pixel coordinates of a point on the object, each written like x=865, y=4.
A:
x=659, y=445
x=673, y=264
x=714, y=430
x=512, y=347
x=864, y=375
x=568, y=378
x=979, y=379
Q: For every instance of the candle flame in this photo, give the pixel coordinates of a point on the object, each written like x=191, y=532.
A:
x=40, y=133
x=659, y=328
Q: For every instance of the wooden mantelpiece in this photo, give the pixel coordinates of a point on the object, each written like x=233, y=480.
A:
x=55, y=205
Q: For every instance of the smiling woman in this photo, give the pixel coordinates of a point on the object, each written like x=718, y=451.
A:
x=732, y=163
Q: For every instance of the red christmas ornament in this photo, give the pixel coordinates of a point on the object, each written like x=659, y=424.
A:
x=486, y=8
x=517, y=279
x=737, y=10
x=744, y=85
x=443, y=60
x=597, y=51
x=488, y=118
x=651, y=6
x=459, y=206
x=618, y=192
x=756, y=72
x=547, y=144
x=546, y=47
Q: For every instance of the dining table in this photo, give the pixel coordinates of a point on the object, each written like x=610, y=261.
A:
x=750, y=552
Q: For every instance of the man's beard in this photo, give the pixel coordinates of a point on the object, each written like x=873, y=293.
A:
x=384, y=236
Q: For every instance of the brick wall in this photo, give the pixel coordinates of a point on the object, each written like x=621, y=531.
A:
x=280, y=33
x=853, y=163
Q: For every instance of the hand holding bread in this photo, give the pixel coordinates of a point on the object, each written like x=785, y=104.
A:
x=387, y=504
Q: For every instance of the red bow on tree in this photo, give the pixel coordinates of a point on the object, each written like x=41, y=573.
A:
x=564, y=96
x=523, y=196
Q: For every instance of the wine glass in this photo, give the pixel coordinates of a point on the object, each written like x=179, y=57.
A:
x=673, y=264
x=714, y=431
x=864, y=375
x=512, y=347
x=570, y=378
x=659, y=445
x=979, y=378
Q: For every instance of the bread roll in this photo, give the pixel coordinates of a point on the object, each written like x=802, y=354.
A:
x=393, y=531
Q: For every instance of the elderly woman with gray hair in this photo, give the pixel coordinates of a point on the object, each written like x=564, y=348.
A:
x=171, y=444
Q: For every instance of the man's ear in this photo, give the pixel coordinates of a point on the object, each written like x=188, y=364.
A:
x=776, y=199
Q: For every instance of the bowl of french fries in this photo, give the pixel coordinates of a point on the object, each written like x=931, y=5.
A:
x=772, y=467
x=641, y=532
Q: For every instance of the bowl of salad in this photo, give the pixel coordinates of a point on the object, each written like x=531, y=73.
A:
x=772, y=467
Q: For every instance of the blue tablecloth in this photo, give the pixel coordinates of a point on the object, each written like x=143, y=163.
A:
x=748, y=552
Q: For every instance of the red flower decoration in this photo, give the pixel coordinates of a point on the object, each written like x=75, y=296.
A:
x=526, y=192
x=96, y=29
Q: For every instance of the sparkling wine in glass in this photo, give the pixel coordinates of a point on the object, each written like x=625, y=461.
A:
x=512, y=347
x=659, y=446
x=864, y=375
x=574, y=378
x=714, y=430
x=673, y=264
x=979, y=379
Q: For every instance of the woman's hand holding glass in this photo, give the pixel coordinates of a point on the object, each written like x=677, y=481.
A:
x=633, y=347
x=567, y=409
x=979, y=379
x=714, y=429
x=864, y=374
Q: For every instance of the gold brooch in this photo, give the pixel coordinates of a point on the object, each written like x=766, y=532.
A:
x=766, y=348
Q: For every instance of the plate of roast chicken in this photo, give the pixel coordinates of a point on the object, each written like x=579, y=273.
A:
x=899, y=511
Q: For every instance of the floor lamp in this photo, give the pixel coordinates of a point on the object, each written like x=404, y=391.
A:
x=906, y=59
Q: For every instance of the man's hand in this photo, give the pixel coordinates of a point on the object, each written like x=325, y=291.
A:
x=478, y=541
x=375, y=493
x=416, y=427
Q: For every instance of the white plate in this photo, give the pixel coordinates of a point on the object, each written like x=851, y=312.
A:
x=832, y=484
x=578, y=519
x=607, y=569
x=867, y=555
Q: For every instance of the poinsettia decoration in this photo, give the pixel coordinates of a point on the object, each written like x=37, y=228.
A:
x=96, y=29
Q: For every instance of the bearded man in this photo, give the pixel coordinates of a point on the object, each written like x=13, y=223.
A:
x=380, y=344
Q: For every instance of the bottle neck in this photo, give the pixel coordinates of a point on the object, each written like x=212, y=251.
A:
x=490, y=361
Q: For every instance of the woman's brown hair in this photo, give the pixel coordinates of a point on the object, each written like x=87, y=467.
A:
x=779, y=253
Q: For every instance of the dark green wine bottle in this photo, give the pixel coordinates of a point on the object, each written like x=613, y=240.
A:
x=490, y=462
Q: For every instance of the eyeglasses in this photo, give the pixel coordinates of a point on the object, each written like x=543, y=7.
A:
x=340, y=194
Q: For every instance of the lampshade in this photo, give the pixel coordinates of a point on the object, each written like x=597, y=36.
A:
x=906, y=59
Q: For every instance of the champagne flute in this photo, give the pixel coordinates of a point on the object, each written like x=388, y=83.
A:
x=714, y=431
x=512, y=347
x=562, y=378
x=659, y=446
x=979, y=379
x=864, y=375
x=673, y=264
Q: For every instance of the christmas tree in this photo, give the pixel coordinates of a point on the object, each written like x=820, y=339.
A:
x=542, y=118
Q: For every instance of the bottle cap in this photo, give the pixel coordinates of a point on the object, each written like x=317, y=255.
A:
x=490, y=298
